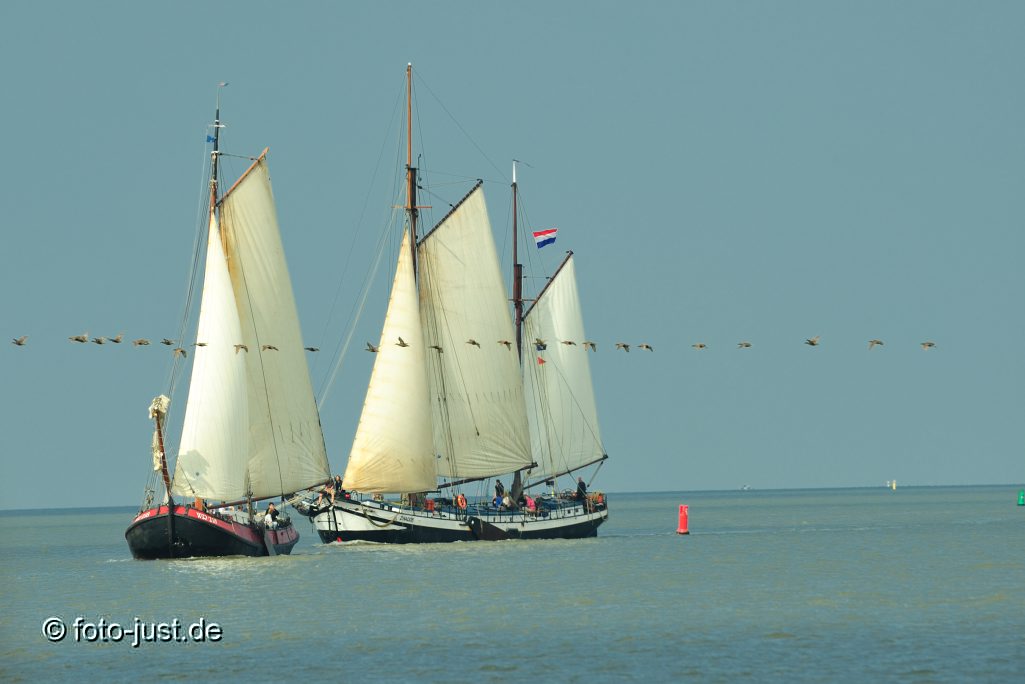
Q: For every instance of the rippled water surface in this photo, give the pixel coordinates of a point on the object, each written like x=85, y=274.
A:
x=920, y=584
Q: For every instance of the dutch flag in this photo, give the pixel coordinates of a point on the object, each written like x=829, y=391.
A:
x=545, y=237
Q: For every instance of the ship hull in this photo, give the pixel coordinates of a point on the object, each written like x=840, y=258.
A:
x=193, y=533
x=386, y=523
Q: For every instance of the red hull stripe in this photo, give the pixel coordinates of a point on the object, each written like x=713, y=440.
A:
x=242, y=531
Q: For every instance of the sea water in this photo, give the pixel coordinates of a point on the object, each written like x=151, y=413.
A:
x=917, y=584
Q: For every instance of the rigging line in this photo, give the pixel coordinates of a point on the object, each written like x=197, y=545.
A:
x=438, y=367
x=361, y=303
x=463, y=130
x=359, y=223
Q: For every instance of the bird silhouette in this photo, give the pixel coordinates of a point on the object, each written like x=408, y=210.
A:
x=928, y=345
x=141, y=342
x=590, y=345
x=872, y=343
x=440, y=350
x=569, y=343
x=180, y=352
x=743, y=345
x=241, y=347
x=84, y=337
x=312, y=349
x=371, y=348
x=268, y=347
x=507, y=343
x=99, y=340
x=699, y=346
x=473, y=342
x=117, y=340
x=645, y=345
x=624, y=346
x=401, y=343
x=168, y=342
x=19, y=341
x=199, y=344
x=814, y=341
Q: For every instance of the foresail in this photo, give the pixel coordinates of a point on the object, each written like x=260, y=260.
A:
x=476, y=391
x=214, y=445
x=560, y=398
x=394, y=450
x=286, y=446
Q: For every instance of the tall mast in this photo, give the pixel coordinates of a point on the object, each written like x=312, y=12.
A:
x=411, y=207
x=517, y=284
x=214, y=153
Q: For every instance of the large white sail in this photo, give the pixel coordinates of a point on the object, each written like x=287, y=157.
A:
x=476, y=391
x=214, y=447
x=286, y=446
x=560, y=398
x=394, y=448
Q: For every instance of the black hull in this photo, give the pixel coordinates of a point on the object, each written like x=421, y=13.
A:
x=198, y=535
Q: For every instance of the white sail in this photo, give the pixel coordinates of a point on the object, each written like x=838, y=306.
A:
x=394, y=448
x=286, y=446
x=560, y=398
x=214, y=445
x=476, y=391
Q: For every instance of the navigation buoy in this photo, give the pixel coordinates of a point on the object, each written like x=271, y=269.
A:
x=682, y=529
x=1021, y=498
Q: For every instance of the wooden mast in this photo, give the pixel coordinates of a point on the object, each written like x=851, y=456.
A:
x=411, y=207
x=517, y=284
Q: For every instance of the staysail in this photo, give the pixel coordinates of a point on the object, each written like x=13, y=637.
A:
x=394, y=448
x=212, y=456
x=560, y=398
x=286, y=447
x=475, y=387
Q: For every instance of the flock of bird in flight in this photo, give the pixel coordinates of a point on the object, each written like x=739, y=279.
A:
x=539, y=344
x=143, y=342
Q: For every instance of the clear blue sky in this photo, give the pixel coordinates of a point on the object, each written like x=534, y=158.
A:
x=724, y=171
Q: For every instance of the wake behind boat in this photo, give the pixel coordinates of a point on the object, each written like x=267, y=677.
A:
x=456, y=398
x=251, y=430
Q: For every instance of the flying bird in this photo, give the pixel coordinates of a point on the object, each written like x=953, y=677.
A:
x=507, y=343
x=241, y=347
x=699, y=346
x=270, y=347
x=371, y=348
x=624, y=346
x=473, y=342
x=540, y=344
x=814, y=342
x=199, y=344
x=80, y=338
x=569, y=343
x=440, y=350
x=401, y=343
x=928, y=345
x=743, y=345
x=141, y=342
x=117, y=340
x=590, y=345
x=312, y=349
x=180, y=352
x=167, y=342
x=19, y=341
x=872, y=343
x=99, y=340
x=645, y=345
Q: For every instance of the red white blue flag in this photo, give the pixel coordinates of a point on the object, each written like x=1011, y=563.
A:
x=545, y=237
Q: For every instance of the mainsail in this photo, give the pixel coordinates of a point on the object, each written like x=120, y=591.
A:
x=563, y=417
x=475, y=387
x=394, y=449
x=212, y=456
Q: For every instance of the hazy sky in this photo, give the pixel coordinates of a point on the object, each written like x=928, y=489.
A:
x=724, y=171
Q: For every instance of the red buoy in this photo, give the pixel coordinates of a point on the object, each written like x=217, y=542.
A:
x=682, y=529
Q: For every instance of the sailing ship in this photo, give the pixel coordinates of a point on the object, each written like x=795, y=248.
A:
x=251, y=430
x=447, y=404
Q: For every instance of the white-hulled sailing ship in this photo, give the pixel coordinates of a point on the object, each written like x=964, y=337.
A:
x=453, y=401
x=251, y=430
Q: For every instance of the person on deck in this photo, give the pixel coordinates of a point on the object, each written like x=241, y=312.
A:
x=531, y=505
x=508, y=504
x=271, y=519
x=581, y=490
x=499, y=489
